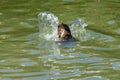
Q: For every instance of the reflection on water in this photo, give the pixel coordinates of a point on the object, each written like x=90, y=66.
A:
x=116, y=65
x=111, y=22
x=94, y=78
x=28, y=50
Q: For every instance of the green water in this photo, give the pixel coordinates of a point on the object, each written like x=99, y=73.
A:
x=25, y=56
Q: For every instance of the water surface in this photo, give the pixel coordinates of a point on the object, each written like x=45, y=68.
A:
x=26, y=55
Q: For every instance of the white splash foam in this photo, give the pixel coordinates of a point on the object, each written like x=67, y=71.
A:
x=78, y=29
x=48, y=25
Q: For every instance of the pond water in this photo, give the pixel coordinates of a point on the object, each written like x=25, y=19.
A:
x=28, y=50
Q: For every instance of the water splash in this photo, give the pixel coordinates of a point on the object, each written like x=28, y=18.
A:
x=78, y=29
x=48, y=25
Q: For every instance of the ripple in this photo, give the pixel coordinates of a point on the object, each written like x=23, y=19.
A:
x=98, y=67
x=68, y=0
x=27, y=25
x=51, y=57
x=47, y=74
x=1, y=61
x=101, y=48
x=80, y=55
x=98, y=48
x=66, y=44
x=118, y=31
x=91, y=72
x=5, y=79
x=32, y=19
x=29, y=63
x=6, y=29
x=116, y=65
x=85, y=60
x=111, y=22
x=11, y=70
x=53, y=76
x=94, y=78
x=26, y=74
x=100, y=36
x=4, y=36
x=33, y=51
x=19, y=10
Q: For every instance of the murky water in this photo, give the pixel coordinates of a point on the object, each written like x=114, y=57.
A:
x=28, y=50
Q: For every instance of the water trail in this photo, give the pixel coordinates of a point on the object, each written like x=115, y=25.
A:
x=78, y=29
x=48, y=25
